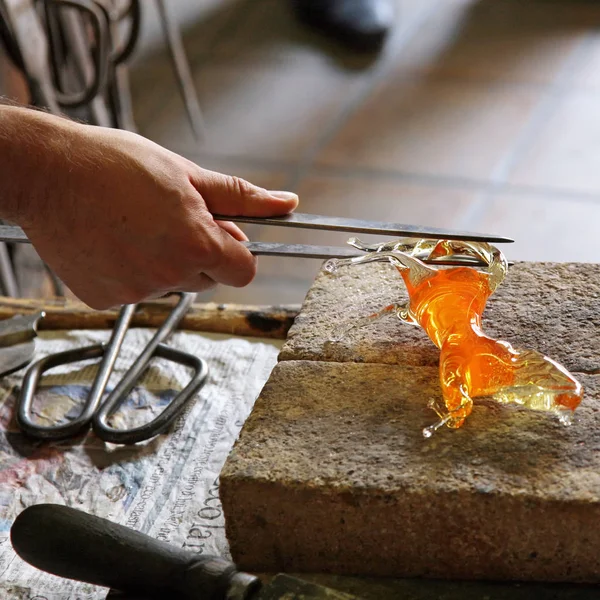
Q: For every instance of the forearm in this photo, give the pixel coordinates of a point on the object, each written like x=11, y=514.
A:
x=34, y=149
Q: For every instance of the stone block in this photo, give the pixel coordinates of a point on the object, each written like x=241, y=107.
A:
x=550, y=307
x=331, y=474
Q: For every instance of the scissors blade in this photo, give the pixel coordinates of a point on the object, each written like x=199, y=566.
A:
x=307, y=221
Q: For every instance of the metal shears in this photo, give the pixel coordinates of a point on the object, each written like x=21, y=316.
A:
x=96, y=411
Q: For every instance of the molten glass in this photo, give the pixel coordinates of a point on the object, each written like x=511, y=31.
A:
x=448, y=303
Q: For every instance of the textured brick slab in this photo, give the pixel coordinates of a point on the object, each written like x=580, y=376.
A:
x=331, y=473
x=549, y=307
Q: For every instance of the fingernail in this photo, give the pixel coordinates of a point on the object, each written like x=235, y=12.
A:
x=284, y=195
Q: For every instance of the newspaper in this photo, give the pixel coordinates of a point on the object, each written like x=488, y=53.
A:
x=166, y=487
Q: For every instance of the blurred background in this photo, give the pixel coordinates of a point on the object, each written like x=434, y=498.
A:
x=479, y=115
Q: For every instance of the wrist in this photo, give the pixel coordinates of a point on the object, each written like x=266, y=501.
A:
x=35, y=148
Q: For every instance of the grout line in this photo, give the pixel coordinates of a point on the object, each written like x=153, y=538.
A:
x=357, y=99
x=400, y=177
x=552, y=193
x=415, y=75
x=540, y=115
x=443, y=181
x=382, y=174
x=241, y=160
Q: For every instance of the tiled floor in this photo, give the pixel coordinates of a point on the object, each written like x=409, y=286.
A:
x=480, y=115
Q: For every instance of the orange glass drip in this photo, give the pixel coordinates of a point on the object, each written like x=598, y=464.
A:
x=449, y=307
x=448, y=303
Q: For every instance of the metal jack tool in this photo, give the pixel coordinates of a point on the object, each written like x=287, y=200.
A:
x=17, y=341
x=326, y=223
x=96, y=412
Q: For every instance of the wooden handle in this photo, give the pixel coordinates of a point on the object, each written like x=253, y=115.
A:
x=233, y=319
x=75, y=545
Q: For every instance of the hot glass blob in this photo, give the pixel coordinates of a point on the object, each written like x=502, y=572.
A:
x=448, y=303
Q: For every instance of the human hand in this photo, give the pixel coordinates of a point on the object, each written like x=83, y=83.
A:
x=124, y=219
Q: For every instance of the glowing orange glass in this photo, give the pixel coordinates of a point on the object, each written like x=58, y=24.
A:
x=448, y=303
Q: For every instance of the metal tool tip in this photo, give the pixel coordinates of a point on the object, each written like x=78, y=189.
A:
x=503, y=240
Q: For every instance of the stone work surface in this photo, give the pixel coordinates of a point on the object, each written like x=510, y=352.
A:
x=549, y=307
x=336, y=476
x=331, y=472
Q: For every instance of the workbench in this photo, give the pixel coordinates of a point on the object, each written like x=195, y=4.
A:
x=275, y=323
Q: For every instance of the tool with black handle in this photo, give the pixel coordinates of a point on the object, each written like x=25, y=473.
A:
x=75, y=545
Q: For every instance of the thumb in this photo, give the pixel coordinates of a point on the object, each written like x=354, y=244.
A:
x=230, y=195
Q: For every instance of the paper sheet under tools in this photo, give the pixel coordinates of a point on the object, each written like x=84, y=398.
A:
x=166, y=487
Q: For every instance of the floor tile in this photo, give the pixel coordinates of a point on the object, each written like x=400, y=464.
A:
x=269, y=33
x=428, y=127
x=374, y=199
x=300, y=271
x=272, y=113
x=545, y=229
x=201, y=25
x=585, y=73
x=499, y=41
x=565, y=153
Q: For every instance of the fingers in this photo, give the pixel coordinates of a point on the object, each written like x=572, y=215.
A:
x=199, y=283
x=231, y=262
x=224, y=261
x=227, y=195
x=233, y=230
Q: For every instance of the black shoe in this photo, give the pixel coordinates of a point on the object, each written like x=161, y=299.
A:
x=360, y=24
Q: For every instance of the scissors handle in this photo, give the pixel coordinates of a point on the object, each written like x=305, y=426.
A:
x=164, y=419
x=60, y=431
x=72, y=427
x=97, y=412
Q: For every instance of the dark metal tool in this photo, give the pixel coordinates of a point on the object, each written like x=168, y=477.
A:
x=97, y=412
x=182, y=70
x=320, y=222
x=75, y=545
x=17, y=341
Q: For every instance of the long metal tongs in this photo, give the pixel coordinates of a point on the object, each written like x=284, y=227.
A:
x=327, y=223
x=320, y=222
